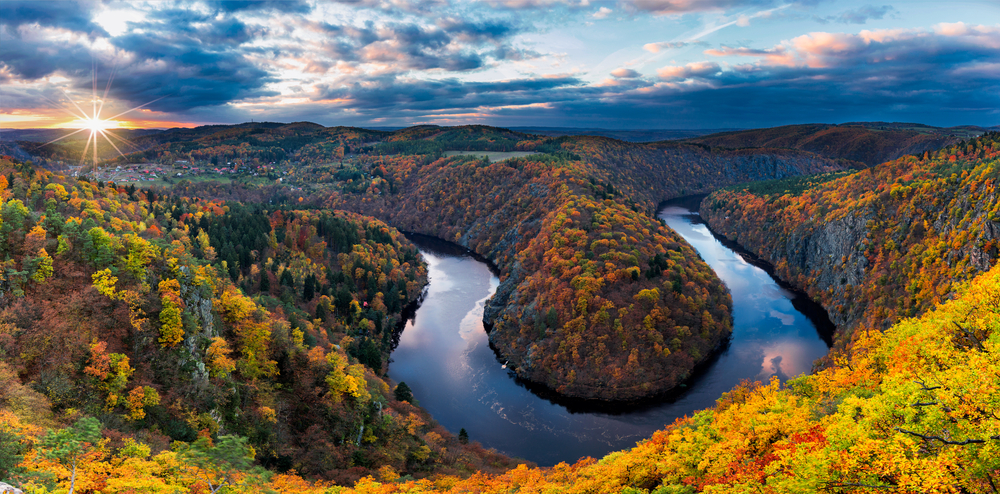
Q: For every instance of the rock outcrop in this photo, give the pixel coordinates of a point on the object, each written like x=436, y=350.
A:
x=877, y=245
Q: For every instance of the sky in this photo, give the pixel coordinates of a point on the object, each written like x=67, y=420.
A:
x=642, y=64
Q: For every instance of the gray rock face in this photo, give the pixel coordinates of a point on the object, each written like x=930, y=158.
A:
x=6, y=488
x=833, y=260
x=200, y=307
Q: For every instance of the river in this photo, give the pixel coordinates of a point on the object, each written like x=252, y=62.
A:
x=445, y=357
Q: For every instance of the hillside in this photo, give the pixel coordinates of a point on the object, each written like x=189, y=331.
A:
x=595, y=296
x=869, y=143
x=598, y=299
x=880, y=244
x=570, y=228
x=912, y=409
x=169, y=319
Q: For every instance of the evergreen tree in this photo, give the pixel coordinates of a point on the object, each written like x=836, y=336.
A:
x=12, y=449
x=463, y=436
x=403, y=393
x=265, y=282
x=286, y=277
x=308, y=290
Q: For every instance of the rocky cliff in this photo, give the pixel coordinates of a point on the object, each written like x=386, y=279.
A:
x=877, y=245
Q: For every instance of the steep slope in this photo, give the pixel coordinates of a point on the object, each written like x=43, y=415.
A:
x=913, y=409
x=568, y=312
x=880, y=244
x=126, y=306
x=598, y=299
x=870, y=143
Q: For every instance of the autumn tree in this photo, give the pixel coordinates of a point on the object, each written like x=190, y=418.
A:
x=68, y=445
x=219, y=464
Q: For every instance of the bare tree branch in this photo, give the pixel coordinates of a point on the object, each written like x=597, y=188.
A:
x=943, y=440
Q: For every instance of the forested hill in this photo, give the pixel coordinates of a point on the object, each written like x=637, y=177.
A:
x=165, y=341
x=880, y=244
x=869, y=143
x=651, y=172
x=172, y=323
x=598, y=299
x=912, y=409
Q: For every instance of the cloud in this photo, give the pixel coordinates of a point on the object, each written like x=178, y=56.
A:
x=860, y=15
x=535, y=4
x=390, y=61
x=288, y=6
x=36, y=55
x=406, y=94
x=947, y=43
x=669, y=45
x=672, y=7
x=624, y=73
x=71, y=15
x=947, y=75
x=482, y=31
x=450, y=43
x=186, y=74
x=602, y=13
x=692, y=70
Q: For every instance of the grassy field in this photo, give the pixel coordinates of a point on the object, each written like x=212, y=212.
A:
x=493, y=156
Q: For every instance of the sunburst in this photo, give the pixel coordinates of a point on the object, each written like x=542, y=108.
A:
x=93, y=123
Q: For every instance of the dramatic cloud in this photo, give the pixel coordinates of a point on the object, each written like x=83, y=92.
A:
x=34, y=55
x=504, y=62
x=71, y=15
x=398, y=94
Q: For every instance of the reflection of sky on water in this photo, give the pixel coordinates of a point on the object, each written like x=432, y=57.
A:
x=444, y=356
x=767, y=329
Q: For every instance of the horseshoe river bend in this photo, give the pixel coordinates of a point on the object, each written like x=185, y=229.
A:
x=445, y=357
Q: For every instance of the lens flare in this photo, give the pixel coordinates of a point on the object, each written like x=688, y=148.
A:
x=98, y=127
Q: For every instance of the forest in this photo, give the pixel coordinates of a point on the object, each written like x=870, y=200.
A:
x=863, y=143
x=234, y=337
x=609, y=304
x=880, y=244
x=159, y=320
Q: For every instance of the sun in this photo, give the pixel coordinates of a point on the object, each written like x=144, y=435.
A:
x=94, y=124
x=92, y=121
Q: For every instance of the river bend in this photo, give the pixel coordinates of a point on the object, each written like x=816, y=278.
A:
x=445, y=357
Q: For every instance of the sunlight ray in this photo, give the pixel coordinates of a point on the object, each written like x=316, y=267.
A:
x=105, y=135
x=122, y=139
x=136, y=108
x=65, y=136
x=86, y=148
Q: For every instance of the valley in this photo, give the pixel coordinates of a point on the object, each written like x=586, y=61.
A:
x=602, y=327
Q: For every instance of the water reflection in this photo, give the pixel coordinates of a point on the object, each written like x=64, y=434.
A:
x=445, y=358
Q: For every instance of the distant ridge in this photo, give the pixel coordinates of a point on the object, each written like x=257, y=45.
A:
x=632, y=135
x=869, y=143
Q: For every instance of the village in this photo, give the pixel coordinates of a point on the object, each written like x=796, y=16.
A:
x=160, y=174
